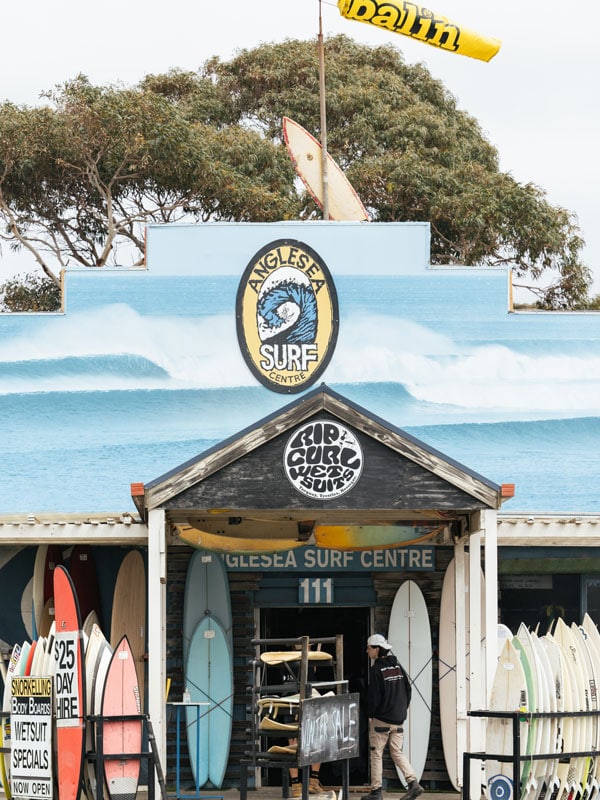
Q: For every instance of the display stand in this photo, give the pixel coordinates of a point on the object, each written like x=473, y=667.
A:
x=178, y=793
x=296, y=671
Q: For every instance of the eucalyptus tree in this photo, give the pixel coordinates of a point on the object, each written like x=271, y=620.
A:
x=81, y=175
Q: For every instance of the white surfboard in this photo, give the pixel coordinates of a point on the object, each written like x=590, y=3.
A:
x=409, y=635
x=509, y=693
x=98, y=656
x=553, y=657
x=447, y=668
x=504, y=633
x=577, y=766
x=524, y=647
x=549, y=734
x=590, y=699
x=306, y=154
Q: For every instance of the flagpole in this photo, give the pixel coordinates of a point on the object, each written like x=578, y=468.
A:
x=325, y=173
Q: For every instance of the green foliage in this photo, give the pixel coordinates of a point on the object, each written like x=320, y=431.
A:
x=32, y=292
x=80, y=178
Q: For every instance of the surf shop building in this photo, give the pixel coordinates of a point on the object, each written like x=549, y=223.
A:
x=321, y=519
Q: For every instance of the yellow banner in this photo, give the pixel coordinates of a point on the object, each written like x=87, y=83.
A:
x=418, y=22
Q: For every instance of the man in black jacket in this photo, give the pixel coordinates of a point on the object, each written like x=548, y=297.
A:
x=388, y=699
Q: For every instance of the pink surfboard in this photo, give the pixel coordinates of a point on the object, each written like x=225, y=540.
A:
x=121, y=697
x=69, y=686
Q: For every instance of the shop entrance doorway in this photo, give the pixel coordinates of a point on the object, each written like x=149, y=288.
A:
x=354, y=625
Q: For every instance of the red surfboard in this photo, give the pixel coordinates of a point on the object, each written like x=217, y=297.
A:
x=82, y=569
x=69, y=686
x=121, y=697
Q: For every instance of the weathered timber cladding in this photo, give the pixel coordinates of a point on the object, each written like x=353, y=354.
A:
x=243, y=586
x=243, y=484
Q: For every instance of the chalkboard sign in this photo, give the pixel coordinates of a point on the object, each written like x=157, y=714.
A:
x=328, y=729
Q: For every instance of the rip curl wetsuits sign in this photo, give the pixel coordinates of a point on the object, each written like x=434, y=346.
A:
x=287, y=315
x=323, y=459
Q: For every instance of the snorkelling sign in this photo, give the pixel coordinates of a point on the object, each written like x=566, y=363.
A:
x=287, y=315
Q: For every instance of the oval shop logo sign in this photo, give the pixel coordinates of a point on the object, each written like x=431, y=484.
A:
x=287, y=315
x=323, y=459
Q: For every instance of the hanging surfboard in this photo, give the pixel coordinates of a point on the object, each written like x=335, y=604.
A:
x=69, y=686
x=206, y=592
x=410, y=637
x=220, y=543
x=121, y=697
x=368, y=537
x=306, y=154
x=129, y=612
x=447, y=667
x=209, y=679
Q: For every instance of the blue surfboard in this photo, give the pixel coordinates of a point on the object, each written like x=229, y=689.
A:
x=206, y=592
x=209, y=679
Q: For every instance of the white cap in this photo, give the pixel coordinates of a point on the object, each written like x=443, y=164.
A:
x=377, y=640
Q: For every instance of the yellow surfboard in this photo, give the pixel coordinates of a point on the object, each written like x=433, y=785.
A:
x=218, y=543
x=371, y=537
x=306, y=154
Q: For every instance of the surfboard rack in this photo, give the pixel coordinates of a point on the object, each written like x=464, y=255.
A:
x=292, y=695
x=99, y=757
x=178, y=792
x=516, y=758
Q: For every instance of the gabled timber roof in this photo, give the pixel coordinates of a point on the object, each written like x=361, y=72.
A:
x=161, y=491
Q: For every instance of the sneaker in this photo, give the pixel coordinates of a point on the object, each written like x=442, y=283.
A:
x=374, y=794
x=296, y=789
x=314, y=785
x=414, y=790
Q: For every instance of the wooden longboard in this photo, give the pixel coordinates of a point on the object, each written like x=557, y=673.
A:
x=306, y=154
x=69, y=686
x=410, y=637
x=121, y=697
x=129, y=612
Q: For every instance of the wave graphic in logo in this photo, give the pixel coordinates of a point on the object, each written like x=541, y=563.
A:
x=287, y=315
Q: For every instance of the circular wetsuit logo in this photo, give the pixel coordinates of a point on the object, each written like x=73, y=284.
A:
x=323, y=459
x=287, y=315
